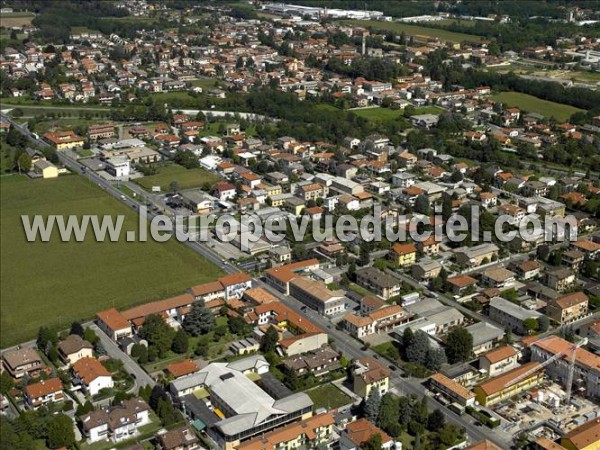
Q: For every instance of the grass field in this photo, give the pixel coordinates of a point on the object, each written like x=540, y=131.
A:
x=378, y=113
x=187, y=178
x=328, y=396
x=537, y=105
x=414, y=30
x=54, y=283
x=16, y=19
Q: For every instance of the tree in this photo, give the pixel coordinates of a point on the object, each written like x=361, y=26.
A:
x=531, y=325
x=60, y=432
x=543, y=323
x=46, y=338
x=85, y=408
x=180, y=342
x=389, y=414
x=416, y=352
x=436, y=420
x=77, y=329
x=199, y=320
x=269, y=341
x=372, y=405
x=158, y=333
x=435, y=358
x=23, y=162
x=174, y=186
x=6, y=383
x=237, y=326
x=459, y=345
x=373, y=443
x=422, y=204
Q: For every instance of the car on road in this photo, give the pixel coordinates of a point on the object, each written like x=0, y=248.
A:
x=304, y=308
x=392, y=367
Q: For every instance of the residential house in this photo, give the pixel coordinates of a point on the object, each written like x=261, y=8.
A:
x=568, y=308
x=314, y=432
x=116, y=423
x=73, y=348
x=461, y=284
x=114, y=324
x=44, y=392
x=476, y=255
x=23, y=361
x=379, y=282
x=498, y=360
x=528, y=269
x=357, y=433
x=92, y=376
x=369, y=374
x=452, y=390
x=182, y=438
x=560, y=279
x=584, y=437
x=426, y=269
x=498, y=277
x=403, y=254
x=62, y=140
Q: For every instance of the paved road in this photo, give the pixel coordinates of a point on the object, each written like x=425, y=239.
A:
x=113, y=350
x=343, y=341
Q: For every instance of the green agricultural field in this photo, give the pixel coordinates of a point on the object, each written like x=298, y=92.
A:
x=328, y=396
x=378, y=113
x=533, y=104
x=54, y=283
x=16, y=19
x=414, y=30
x=187, y=178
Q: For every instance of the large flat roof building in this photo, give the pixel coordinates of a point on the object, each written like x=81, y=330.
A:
x=243, y=408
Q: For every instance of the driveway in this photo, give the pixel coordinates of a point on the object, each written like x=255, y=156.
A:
x=113, y=350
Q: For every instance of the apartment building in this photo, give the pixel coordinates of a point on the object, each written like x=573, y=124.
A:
x=568, y=307
x=451, y=389
x=510, y=315
x=499, y=360
x=382, y=284
x=317, y=296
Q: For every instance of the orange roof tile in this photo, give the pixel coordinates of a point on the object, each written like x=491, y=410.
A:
x=89, y=369
x=43, y=388
x=182, y=368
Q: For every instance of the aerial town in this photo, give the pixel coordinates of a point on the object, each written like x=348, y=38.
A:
x=445, y=125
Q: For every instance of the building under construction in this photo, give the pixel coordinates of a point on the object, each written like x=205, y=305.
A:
x=585, y=365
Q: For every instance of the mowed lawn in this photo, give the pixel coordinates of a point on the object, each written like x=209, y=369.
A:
x=414, y=30
x=187, y=178
x=534, y=104
x=328, y=396
x=54, y=283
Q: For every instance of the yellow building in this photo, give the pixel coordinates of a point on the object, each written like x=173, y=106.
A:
x=584, y=437
x=504, y=386
x=369, y=374
x=273, y=190
x=309, y=433
x=404, y=254
x=45, y=168
x=62, y=140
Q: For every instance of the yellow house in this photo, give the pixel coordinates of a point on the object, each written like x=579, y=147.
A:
x=310, y=433
x=273, y=190
x=584, y=437
x=404, y=254
x=368, y=375
x=504, y=386
x=45, y=168
x=62, y=140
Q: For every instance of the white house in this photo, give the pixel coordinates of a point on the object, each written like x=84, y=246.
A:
x=92, y=376
x=116, y=423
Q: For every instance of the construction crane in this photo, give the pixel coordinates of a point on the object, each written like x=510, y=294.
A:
x=573, y=350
